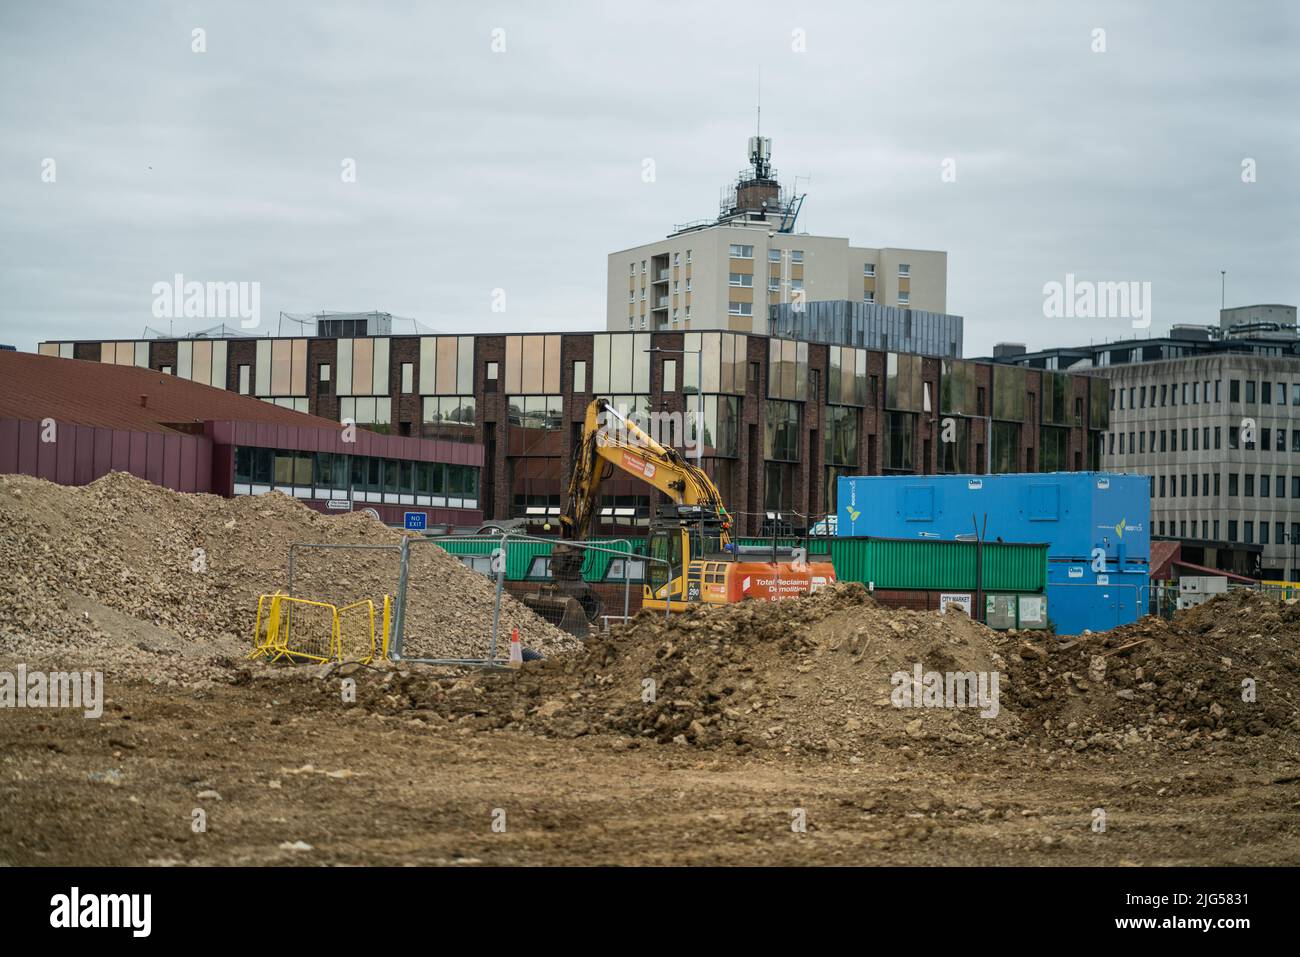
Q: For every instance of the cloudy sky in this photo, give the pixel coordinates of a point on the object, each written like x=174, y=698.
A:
x=522, y=169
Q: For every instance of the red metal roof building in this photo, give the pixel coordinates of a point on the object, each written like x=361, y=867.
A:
x=71, y=422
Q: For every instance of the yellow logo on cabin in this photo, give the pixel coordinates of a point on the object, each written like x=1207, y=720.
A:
x=1119, y=529
x=853, y=514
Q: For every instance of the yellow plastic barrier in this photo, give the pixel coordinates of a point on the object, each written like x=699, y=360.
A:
x=305, y=630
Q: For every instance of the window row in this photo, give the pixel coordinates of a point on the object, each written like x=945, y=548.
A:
x=362, y=473
x=1203, y=484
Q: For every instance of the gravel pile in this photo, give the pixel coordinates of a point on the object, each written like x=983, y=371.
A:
x=125, y=573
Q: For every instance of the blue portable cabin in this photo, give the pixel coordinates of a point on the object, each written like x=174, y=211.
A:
x=1097, y=526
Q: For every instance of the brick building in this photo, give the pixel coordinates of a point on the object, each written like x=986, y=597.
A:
x=782, y=418
x=72, y=422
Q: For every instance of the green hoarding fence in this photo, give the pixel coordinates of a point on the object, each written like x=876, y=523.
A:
x=817, y=545
x=928, y=564
x=520, y=556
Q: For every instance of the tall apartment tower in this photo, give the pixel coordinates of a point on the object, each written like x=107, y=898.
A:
x=725, y=273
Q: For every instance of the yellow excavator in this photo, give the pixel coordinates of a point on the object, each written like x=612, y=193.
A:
x=693, y=558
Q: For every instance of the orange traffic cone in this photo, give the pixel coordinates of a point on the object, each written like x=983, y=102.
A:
x=516, y=649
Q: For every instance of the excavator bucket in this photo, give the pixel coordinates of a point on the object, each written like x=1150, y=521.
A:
x=560, y=610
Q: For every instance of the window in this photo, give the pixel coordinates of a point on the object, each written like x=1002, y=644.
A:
x=781, y=432
x=670, y=375
x=869, y=270
x=408, y=378
x=1232, y=530
x=869, y=297
x=535, y=411
x=167, y=370
x=741, y=279
x=1266, y=397
x=579, y=377
x=243, y=380
x=904, y=298
x=740, y=308
x=1250, y=397
x=741, y=252
x=1234, y=390
x=904, y=270
x=774, y=255
x=898, y=440
x=491, y=372
x=1250, y=485
x=1232, y=484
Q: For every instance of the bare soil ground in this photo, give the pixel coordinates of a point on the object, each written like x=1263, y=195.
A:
x=410, y=788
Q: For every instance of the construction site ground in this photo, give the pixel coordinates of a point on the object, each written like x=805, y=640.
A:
x=394, y=790
x=747, y=734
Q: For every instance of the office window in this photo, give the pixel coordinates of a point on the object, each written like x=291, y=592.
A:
x=869, y=270
x=1279, y=484
x=670, y=375
x=1218, y=435
x=1250, y=485
x=904, y=298
x=1216, y=491
x=1266, y=395
x=1232, y=484
x=243, y=380
x=741, y=252
x=579, y=376
x=1250, y=397
x=408, y=378
x=740, y=308
x=1232, y=530
x=741, y=279
x=1263, y=533
x=904, y=270
x=1162, y=487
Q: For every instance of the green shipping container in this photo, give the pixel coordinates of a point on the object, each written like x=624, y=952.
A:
x=930, y=564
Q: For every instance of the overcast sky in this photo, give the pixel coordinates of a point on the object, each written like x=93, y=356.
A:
x=521, y=170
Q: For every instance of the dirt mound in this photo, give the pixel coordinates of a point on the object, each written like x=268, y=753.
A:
x=804, y=675
x=1229, y=668
x=127, y=568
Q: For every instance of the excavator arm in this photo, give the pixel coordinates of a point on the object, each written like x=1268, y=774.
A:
x=610, y=441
